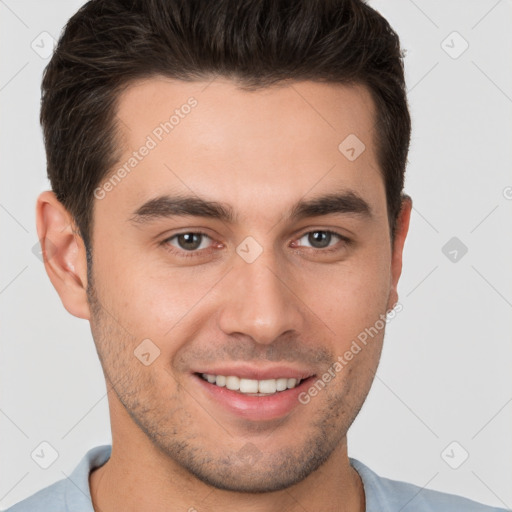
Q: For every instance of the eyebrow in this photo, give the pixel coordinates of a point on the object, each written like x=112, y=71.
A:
x=182, y=206
x=346, y=203
x=167, y=206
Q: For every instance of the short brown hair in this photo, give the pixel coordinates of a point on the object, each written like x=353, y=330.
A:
x=109, y=43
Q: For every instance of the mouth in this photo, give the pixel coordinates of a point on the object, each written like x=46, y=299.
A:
x=252, y=387
x=253, y=394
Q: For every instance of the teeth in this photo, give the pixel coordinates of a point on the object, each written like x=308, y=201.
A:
x=251, y=386
x=291, y=383
x=281, y=384
x=267, y=386
x=248, y=386
x=233, y=383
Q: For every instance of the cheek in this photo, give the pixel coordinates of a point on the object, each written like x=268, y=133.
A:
x=350, y=298
x=165, y=307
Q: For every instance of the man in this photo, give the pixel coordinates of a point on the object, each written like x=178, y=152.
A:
x=227, y=212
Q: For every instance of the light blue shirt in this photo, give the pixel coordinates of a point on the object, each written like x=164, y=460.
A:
x=72, y=494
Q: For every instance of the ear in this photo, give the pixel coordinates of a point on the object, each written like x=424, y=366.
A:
x=402, y=227
x=64, y=253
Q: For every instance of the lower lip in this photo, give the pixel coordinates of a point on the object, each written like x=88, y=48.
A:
x=255, y=408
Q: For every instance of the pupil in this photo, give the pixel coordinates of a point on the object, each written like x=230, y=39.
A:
x=320, y=238
x=189, y=240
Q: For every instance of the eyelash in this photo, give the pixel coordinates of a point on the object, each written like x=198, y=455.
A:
x=182, y=253
x=329, y=249
x=191, y=254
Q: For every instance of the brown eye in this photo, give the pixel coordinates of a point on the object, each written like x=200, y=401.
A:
x=320, y=239
x=191, y=241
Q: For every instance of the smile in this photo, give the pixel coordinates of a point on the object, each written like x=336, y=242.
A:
x=252, y=387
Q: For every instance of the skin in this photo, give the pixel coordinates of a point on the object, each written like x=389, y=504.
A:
x=260, y=152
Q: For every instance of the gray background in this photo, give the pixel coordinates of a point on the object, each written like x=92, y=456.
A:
x=445, y=370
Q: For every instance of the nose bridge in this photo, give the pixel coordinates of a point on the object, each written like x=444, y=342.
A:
x=259, y=302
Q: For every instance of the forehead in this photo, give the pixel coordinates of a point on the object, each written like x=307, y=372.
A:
x=216, y=140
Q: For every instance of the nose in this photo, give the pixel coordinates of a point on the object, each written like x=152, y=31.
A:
x=259, y=300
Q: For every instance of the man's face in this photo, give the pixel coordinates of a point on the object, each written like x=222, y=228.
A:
x=268, y=293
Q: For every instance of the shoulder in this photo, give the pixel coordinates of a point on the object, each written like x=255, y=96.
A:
x=71, y=494
x=386, y=495
x=50, y=498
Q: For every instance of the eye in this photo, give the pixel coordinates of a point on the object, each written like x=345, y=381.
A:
x=190, y=242
x=320, y=239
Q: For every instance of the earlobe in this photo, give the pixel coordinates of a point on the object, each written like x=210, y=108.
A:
x=64, y=253
x=402, y=227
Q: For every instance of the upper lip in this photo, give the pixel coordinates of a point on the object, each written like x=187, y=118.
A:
x=258, y=373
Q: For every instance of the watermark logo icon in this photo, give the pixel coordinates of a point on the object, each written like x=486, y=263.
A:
x=43, y=45
x=352, y=147
x=37, y=250
x=44, y=455
x=249, y=250
x=146, y=352
x=249, y=454
x=455, y=455
x=454, y=249
x=454, y=45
